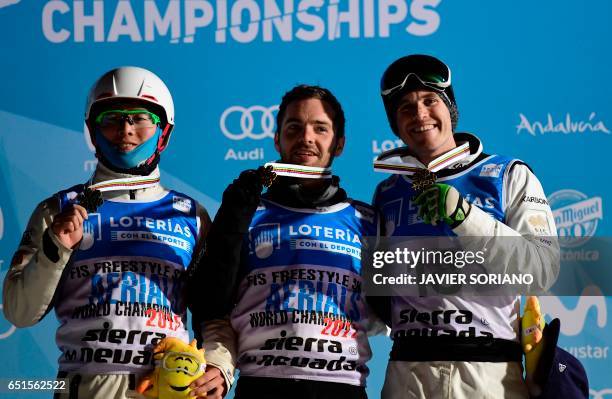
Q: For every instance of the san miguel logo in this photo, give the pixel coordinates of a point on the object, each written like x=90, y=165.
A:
x=576, y=216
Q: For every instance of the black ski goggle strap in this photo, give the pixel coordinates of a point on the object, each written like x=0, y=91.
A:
x=428, y=71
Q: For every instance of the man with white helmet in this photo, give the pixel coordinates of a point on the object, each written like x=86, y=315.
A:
x=109, y=254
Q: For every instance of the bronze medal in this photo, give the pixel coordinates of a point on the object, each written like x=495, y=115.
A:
x=266, y=175
x=422, y=179
x=90, y=199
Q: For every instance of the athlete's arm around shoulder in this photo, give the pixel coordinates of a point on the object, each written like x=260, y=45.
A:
x=527, y=215
x=36, y=268
x=218, y=338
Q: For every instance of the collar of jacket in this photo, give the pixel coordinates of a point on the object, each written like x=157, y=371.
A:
x=288, y=191
x=476, y=155
x=103, y=173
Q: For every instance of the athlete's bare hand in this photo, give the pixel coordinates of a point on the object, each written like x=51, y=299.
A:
x=68, y=225
x=211, y=385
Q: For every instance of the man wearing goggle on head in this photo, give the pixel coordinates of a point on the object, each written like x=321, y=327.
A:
x=477, y=354
x=130, y=116
x=417, y=71
x=435, y=81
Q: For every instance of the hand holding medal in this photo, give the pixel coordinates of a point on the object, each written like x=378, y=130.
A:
x=67, y=225
x=436, y=201
x=441, y=202
x=266, y=175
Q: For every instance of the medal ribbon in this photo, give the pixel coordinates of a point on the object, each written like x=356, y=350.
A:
x=130, y=183
x=303, y=172
x=395, y=165
x=91, y=197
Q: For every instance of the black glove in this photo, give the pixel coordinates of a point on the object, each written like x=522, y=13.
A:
x=245, y=190
x=240, y=200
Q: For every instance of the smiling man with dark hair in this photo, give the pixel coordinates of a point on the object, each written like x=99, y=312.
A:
x=286, y=264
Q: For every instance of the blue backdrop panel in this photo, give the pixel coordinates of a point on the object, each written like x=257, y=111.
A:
x=531, y=79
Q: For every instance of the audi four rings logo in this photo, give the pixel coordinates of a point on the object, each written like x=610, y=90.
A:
x=255, y=122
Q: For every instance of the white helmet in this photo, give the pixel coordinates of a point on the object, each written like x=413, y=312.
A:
x=132, y=83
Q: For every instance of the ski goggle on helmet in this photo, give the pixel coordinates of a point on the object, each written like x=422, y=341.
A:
x=131, y=84
x=416, y=72
x=426, y=70
x=182, y=362
x=139, y=118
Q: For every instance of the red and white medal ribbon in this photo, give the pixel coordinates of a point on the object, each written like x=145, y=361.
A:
x=395, y=164
x=303, y=172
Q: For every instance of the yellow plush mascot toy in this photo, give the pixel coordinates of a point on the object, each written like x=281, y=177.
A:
x=179, y=364
x=532, y=324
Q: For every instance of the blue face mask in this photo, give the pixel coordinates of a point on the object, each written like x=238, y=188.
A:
x=127, y=160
